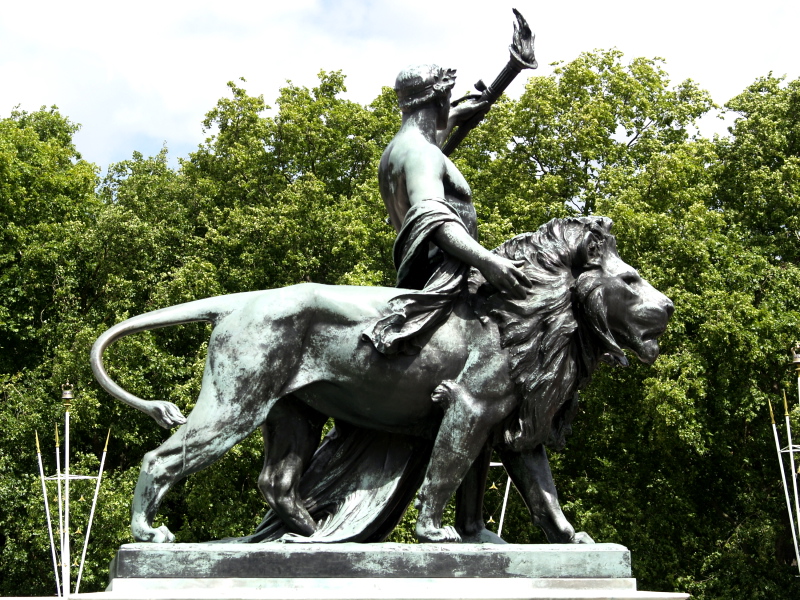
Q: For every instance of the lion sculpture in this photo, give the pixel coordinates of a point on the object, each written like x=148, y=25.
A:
x=498, y=373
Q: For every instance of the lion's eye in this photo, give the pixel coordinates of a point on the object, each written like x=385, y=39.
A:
x=630, y=278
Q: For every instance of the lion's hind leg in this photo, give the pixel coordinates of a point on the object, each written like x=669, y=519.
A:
x=465, y=428
x=210, y=431
x=291, y=436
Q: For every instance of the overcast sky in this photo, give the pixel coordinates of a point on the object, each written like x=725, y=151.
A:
x=138, y=75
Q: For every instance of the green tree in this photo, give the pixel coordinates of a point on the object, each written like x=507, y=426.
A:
x=552, y=152
x=760, y=167
x=674, y=460
x=44, y=188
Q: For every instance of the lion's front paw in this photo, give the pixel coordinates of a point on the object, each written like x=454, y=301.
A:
x=164, y=535
x=438, y=535
x=483, y=536
x=582, y=538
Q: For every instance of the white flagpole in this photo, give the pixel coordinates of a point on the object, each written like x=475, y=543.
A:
x=791, y=460
x=66, y=396
x=47, y=512
x=785, y=486
x=796, y=363
x=91, y=513
x=503, y=511
x=60, y=498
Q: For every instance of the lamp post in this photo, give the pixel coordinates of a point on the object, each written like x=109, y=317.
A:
x=62, y=479
x=66, y=398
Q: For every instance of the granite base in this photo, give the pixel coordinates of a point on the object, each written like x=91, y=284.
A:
x=300, y=571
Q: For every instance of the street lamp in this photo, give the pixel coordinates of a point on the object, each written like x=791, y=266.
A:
x=62, y=479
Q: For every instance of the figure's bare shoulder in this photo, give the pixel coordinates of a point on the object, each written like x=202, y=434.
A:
x=412, y=154
x=411, y=170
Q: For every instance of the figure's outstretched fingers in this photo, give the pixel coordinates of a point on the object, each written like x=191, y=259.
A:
x=520, y=274
x=466, y=110
x=508, y=286
x=175, y=414
x=519, y=284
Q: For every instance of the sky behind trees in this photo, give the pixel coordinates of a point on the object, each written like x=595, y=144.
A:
x=139, y=76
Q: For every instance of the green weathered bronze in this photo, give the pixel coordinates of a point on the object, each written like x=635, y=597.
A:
x=477, y=351
x=499, y=371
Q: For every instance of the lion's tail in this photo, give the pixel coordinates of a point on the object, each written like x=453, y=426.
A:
x=165, y=413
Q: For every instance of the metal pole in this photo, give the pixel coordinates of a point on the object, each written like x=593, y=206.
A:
x=91, y=513
x=796, y=363
x=791, y=459
x=60, y=498
x=47, y=512
x=503, y=511
x=785, y=486
x=66, y=396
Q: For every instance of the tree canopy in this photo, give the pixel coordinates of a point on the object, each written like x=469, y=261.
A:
x=675, y=460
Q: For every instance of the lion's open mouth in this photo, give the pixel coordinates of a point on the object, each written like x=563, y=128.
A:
x=648, y=350
x=655, y=333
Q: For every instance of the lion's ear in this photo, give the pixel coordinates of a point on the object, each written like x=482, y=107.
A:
x=604, y=224
x=590, y=250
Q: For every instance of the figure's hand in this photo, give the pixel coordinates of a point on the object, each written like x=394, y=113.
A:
x=506, y=276
x=464, y=111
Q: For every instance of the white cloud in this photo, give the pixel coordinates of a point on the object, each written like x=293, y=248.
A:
x=138, y=75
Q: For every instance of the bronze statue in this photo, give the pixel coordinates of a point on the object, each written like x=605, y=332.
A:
x=430, y=203
x=499, y=372
x=477, y=351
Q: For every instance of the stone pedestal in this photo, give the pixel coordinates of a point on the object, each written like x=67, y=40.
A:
x=299, y=571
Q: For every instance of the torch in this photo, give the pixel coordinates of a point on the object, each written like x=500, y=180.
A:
x=522, y=57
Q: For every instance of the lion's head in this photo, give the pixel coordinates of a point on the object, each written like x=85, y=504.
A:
x=586, y=305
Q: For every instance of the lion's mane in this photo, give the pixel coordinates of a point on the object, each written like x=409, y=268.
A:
x=557, y=334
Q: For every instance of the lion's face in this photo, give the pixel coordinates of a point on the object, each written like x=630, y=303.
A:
x=586, y=305
x=624, y=309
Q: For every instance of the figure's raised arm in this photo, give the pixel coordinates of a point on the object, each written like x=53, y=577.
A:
x=463, y=112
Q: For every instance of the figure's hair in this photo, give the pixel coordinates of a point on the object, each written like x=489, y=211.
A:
x=554, y=336
x=421, y=84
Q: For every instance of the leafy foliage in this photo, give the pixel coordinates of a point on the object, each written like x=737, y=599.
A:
x=676, y=460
